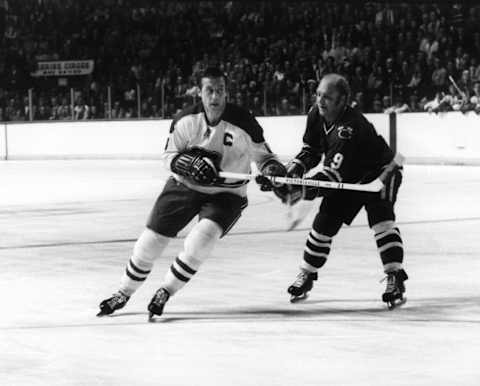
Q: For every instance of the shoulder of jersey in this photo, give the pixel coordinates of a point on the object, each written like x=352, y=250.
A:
x=191, y=110
x=236, y=115
x=242, y=118
x=355, y=118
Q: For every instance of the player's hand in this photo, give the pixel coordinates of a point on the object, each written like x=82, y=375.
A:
x=295, y=169
x=274, y=168
x=194, y=164
x=271, y=168
x=310, y=193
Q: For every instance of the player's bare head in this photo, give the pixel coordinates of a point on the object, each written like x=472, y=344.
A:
x=213, y=91
x=333, y=93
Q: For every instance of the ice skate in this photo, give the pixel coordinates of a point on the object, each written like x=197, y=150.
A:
x=301, y=286
x=393, y=294
x=157, y=303
x=110, y=305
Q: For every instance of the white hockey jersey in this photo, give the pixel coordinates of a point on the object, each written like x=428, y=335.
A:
x=236, y=141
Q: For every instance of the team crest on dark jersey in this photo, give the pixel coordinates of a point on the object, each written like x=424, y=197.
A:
x=345, y=132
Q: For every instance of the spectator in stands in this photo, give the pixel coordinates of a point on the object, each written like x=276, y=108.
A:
x=429, y=45
x=359, y=102
x=134, y=44
x=413, y=104
x=465, y=82
x=439, y=75
x=398, y=107
x=475, y=98
x=433, y=105
x=377, y=106
x=386, y=103
x=451, y=101
x=416, y=80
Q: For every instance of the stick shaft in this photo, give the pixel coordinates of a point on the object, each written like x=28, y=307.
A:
x=373, y=186
x=456, y=86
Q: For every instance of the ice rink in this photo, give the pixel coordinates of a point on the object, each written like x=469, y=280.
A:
x=67, y=231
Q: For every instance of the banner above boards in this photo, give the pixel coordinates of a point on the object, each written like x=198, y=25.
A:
x=64, y=68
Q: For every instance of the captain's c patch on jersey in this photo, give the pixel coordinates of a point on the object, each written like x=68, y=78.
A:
x=345, y=132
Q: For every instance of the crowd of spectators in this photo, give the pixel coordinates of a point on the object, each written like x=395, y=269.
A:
x=398, y=57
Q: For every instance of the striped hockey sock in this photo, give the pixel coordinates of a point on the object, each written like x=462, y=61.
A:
x=316, y=251
x=390, y=248
x=178, y=275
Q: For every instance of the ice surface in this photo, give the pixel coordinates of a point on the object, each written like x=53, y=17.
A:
x=68, y=228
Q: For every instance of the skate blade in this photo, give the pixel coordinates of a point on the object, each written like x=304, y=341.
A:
x=396, y=303
x=102, y=313
x=153, y=318
x=298, y=299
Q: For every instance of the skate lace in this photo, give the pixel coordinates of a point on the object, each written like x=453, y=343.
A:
x=116, y=300
x=161, y=297
x=391, y=282
x=301, y=279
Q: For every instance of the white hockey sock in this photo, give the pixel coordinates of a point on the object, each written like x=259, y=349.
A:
x=148, y=247
x=198, y=245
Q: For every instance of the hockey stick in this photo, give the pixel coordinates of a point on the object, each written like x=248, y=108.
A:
x=374, y=186
x=462, y=94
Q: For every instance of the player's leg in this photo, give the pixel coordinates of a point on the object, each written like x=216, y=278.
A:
x=381, y=218
x=173, y=210
x=326, y=224
x=217, y=215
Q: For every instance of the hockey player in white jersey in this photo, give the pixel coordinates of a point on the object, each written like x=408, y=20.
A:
x=211, y=136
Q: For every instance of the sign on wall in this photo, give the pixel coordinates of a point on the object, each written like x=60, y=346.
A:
x=64, y=68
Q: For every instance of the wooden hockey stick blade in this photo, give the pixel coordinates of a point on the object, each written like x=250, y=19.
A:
x=374, y=186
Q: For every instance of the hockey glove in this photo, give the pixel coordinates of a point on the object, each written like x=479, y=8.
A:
x=273, y=168
x=309, y=193
x=196, y=165
x=295, y=169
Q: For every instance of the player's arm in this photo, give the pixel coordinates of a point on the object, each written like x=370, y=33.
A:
x=338, y=163
x=311, y=153
x=186, y=161
x=266, y=161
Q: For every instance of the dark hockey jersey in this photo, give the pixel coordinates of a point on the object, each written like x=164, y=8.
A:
x=235, y=142
x=352, y=149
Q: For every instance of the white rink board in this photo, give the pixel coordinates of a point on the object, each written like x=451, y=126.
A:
x=435, y=138
x=421, y=137
x=136, y=138
x=89, y=139
x=3, y=144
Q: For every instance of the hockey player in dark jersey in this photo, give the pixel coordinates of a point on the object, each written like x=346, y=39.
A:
x=211, y=136
x=353, y=152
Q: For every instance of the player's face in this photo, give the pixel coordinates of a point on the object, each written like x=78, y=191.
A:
x=329, y=101
x=214, y=97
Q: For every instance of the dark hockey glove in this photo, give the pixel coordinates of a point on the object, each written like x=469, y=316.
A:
x=295, y=169
x=196, y=165
x=310, y=193
x=273, y=168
